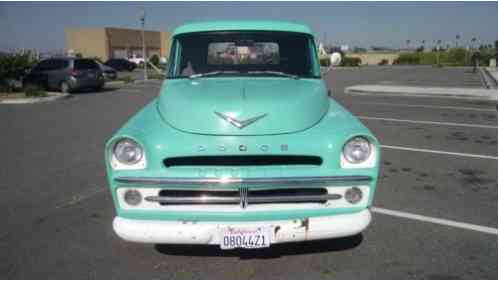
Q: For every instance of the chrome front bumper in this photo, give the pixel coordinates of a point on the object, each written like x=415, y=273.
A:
x=182, y=232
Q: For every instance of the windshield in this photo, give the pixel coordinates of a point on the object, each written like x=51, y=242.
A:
x=210, y=54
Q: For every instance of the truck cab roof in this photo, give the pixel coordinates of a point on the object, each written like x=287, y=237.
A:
x=212, y=26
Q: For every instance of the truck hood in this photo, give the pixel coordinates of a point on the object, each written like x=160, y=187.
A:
x=242, y=106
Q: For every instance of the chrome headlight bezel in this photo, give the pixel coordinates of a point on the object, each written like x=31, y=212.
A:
x=368, y=161
x=118, y=163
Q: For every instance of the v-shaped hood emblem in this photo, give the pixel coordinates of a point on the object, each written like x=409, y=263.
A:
x=239, y=123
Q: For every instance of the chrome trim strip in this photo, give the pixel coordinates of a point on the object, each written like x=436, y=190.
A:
x=248, y=181
x=243, y=203
x=191, y=200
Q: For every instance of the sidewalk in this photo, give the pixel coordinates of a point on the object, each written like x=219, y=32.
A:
x=436, y=92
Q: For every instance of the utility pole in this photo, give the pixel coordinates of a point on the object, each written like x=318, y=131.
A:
x=144, y=55
x=438, y=47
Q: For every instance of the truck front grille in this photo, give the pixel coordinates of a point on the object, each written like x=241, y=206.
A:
x=242, y=196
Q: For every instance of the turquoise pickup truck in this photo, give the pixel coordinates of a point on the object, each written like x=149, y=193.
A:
x=243, y=147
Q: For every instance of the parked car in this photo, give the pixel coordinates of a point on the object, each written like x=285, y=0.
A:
x=109, y=72
x=243, y=150
x=121, y=64
x=138, y=60
x=65, y=74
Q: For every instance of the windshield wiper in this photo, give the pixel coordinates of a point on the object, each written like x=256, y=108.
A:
x=213, y=73
x=278, y=73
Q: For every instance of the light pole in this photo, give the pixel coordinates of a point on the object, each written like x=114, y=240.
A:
x=438, y=46
x=142, y=20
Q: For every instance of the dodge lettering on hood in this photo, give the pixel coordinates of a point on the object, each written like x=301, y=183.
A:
x=243, y=147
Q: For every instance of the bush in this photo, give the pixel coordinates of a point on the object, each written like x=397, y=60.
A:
x=34, y=91
x=450, y=57
x=348, y=61
x=325, y=62
x=384, y=62
x=408, y=58
x=127, y=79
x=157, y=76
x=154, y=60
x=13, y=67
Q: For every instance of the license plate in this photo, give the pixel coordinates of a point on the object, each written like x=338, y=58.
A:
x=90, y=75
x=249, y=238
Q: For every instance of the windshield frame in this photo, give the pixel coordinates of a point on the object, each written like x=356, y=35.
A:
x=176, y=52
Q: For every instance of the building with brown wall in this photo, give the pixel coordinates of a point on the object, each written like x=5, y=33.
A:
x=110, y=42
x=374, y=58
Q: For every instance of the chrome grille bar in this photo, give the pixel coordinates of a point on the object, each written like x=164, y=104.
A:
x=249, y=182
x=237, y=200
x=194, y=200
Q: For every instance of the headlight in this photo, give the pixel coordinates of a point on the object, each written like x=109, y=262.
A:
x=353, y=195
x=132, y=197
x=357, y=150
x=128, y=152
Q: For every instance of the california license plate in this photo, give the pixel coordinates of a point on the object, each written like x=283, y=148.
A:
x=249, y=238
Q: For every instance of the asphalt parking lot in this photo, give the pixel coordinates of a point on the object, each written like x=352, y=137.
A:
x=435, y=213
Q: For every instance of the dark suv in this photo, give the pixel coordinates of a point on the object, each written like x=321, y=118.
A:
x=65, y=74
x=121, y=64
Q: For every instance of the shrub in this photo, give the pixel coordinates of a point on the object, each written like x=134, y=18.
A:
x=154, y=60
x=349, y=61
x=408, y=58
x=455, y=56
x=383, y=62
x=325, y=62
x=127, y=79
x=13, y=67
x=157, y=76
x=34, y=91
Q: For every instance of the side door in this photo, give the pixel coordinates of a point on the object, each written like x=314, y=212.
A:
x=58, y=72
x=38, y=75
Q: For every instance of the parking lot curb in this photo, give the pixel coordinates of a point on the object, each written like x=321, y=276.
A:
x=436, y=92
x=54, y=97
x=490, y=77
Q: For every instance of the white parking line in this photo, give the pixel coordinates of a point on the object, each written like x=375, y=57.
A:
x=429, y=122
x=429, y=106
x=457, y=224
x=440, y=152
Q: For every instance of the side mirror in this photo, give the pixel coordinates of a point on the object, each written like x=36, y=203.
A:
x=335, y=59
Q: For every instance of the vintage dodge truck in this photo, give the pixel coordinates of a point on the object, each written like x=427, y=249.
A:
x=243, y=147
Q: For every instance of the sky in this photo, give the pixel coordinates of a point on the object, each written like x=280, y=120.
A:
x=41, y=24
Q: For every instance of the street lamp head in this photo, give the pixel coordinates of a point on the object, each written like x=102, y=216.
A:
x=142, y=16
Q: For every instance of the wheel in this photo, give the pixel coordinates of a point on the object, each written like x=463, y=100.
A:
x=98, y=88
x=65, y=88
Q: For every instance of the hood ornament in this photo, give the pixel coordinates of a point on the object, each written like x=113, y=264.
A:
x=239, y=123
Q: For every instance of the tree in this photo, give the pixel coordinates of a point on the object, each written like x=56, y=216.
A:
x=13, y=67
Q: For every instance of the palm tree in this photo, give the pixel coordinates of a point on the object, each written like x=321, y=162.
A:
x=457, y=38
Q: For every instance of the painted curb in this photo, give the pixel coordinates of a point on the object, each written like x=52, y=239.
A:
x=492, y=78
x=57, y=96
x=435, y=92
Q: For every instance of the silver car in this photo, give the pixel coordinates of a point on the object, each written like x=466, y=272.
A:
x=66, y=75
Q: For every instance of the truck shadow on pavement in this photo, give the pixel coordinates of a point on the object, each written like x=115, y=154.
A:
x=275, y=251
